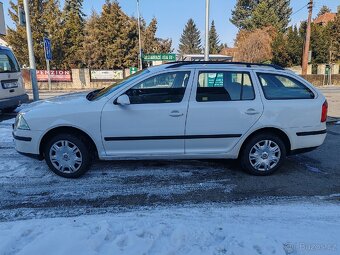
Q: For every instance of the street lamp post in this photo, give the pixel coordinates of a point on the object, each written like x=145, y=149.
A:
x=206, y=51
x=33, y=72
x=139, y=39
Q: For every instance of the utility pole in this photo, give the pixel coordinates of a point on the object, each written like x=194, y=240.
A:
x=307, y=42
x=33, y=72
x=206, y=50
x=139, y=39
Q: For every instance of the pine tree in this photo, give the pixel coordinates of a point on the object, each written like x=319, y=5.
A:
x=264, y=15
x=294, y=46
x=111, y=39
x=278, y=12
x=279, y=48
x=190, y=41
x=51, y=17
x=93, y=54
x=214, y=43
x=335, y=43
x=73, y=24
x=324, y=9
x=242, y=13
x=321, y=42
x=287, y=48
x=283, y=10
x=152, y=44
x=44, y=22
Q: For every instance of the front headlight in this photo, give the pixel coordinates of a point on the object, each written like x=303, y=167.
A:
x=20, y=122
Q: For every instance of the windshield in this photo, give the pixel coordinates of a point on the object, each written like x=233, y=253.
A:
x=115, y=86
x=8, y=63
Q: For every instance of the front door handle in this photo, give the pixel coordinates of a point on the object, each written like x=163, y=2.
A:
x=251, y=111
x=176, y=114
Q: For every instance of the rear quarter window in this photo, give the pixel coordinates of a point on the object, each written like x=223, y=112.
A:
x=281, y=87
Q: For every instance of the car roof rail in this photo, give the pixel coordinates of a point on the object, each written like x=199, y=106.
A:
x=176, y=64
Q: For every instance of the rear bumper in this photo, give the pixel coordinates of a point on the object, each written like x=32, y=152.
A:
x=303, y=150
x=13, y=101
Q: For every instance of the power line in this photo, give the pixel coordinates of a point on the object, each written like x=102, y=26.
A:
x=300, y=9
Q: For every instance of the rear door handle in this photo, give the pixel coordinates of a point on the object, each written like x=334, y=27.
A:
x=251, y=111
x=176, y=114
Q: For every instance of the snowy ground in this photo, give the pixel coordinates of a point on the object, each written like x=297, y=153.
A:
x=248, y=230
x=170, y=207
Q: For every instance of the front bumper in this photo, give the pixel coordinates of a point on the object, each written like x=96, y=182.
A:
x=27, y=142
x=13, y=101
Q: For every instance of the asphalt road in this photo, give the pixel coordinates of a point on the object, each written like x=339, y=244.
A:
x=332, y=93
x=30, y=190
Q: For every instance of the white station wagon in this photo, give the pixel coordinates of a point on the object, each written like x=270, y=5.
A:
x=181, y=110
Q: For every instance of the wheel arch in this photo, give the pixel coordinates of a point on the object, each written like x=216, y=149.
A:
x=269, y=130
x=68, y=130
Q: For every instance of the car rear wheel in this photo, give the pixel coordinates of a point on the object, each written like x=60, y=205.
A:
x=67, y=155
x=263, y=154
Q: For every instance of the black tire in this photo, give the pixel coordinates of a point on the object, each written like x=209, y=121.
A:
x=9, y=109
x=84, y=151
x=246, y=162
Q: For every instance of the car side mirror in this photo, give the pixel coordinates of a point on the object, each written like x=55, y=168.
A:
x=123, y=100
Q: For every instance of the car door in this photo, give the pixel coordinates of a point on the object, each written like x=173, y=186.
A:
x=154, y=121
x=223, y=106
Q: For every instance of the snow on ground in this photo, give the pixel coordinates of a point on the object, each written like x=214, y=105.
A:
x=267, y=229
x=28, y=190
x=6, y=131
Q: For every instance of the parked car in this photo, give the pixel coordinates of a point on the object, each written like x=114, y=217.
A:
x=12, y=92
x=182, y=110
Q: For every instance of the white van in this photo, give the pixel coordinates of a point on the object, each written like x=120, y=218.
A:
x=12, y=93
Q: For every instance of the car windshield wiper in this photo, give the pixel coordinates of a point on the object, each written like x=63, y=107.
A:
x=93, y=93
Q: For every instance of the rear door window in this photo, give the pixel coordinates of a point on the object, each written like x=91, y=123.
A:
x=280, y=87
x=224, y=86
x=8, y=63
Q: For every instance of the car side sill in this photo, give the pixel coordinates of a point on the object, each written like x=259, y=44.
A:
x=136, y=138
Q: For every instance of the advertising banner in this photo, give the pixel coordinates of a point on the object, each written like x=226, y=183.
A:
x=56, y=75
x=107, y=75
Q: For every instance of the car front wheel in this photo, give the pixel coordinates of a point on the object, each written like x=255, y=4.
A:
x=67, y=155
x=9, y=110
x=263, y=154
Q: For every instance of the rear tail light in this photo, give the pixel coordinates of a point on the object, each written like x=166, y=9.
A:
x=324, y=111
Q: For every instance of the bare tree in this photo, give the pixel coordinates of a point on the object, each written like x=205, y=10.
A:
x=255, y=46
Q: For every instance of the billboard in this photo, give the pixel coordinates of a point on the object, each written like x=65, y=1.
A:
x=106, y=75
x=56, y=75
x=2, y=20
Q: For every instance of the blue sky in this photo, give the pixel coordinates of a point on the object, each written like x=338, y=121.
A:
x=172, y=15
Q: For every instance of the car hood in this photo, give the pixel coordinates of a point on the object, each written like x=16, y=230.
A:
x=59, y=101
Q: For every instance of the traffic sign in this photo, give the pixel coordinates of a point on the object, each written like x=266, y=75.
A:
x=21, y=16
x=159, y=57
x=47, y=48
x=133, y=70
